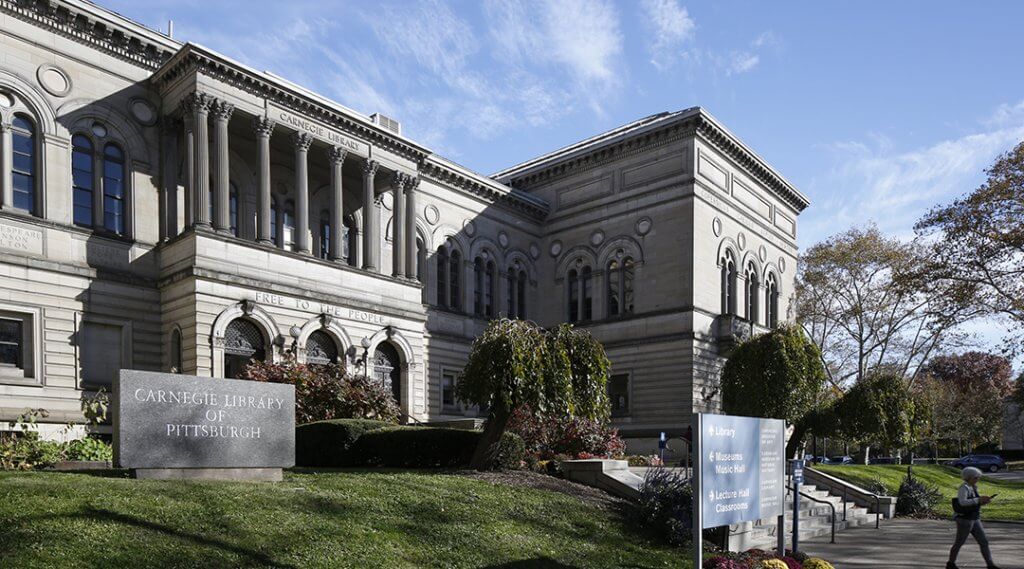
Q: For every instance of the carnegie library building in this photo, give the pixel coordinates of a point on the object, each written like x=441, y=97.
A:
x=166, y=208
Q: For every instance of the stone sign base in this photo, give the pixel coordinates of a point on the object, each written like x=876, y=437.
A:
x=259, y=474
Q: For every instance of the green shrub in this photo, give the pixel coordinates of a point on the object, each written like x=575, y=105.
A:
x=876, y=486
x=666, y=505
x=511, y=452
x=327, y=443
x=915, y=497
x=88, y=449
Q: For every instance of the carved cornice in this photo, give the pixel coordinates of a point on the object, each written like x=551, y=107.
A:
x=505, y=196
x=145, y=48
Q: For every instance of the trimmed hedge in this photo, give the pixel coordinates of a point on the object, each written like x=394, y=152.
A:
x=359, y=442
x=327, y=443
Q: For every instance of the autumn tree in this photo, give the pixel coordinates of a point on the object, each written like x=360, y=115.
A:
x=977, y=244
x=878, y=409
x=862, y=298
x=514, y=363
x=775, y=375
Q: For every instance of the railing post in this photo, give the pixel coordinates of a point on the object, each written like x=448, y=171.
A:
x=844, y=503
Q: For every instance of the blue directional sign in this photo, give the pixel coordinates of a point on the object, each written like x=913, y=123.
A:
x=742, y=469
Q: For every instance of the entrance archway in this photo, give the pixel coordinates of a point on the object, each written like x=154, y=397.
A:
x=243, y=342
x=387, y=369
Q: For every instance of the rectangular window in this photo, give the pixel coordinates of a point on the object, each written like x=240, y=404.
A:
x=18, y=342
x=11, y=343
x=100, y=352
x=448, y=402
x=618, y=394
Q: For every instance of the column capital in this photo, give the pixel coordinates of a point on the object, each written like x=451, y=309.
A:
x=263, y=126
x=196, y=102
x=336, y=154
x=221, y=109
x=302, y=141
x=6, y=125
x=400, y=181
x=413, y=183
x=370, y=167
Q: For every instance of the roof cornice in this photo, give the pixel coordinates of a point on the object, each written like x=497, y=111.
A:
x=449, y=175
x=96, y=27
x=667, y=129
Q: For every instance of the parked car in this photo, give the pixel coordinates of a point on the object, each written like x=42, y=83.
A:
x=989, y=462
x=843, y=459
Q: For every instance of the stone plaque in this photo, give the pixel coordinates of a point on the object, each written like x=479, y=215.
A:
x=165, y=420
x=318, y=130
x=21, y=239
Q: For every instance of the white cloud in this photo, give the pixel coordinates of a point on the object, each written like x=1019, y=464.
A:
x=671, y=27
x=893, y=189
x=741, y=62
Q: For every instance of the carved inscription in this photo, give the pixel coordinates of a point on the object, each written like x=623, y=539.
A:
x=274, y=299
x=319, y=130
x=21, y=239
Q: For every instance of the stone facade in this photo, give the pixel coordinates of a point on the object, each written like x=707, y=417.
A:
x=165, y=208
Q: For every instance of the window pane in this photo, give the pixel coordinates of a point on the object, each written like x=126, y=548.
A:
x=627, y=286
x=618, y=394
x=24, y=197
x=23, y=162
x=10, y=331
x=114, y=153
x=455, y=281
x=23, y=123
x=22, y=143
x=83, y=207
x=83, y=142
x=448, y=390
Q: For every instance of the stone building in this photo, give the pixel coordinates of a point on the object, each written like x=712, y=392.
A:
x=167, y=208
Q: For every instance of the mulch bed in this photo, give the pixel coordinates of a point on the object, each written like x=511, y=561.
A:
x=592, y=496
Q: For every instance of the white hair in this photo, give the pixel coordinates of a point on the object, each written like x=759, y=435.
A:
x=970, y=472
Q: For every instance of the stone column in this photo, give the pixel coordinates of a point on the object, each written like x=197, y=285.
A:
x=222, y=181
x=263, y=127
x=6, y=164
x=190, y=173
x=398, y=182
x=169, y=199
x=302, y=142
x=336, y=158
x=370, y=233
x=197, y=107
x=411, y=254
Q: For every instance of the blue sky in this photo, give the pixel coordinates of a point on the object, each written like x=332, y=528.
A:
x=876, y=111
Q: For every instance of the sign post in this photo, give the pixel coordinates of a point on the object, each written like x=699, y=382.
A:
x=739, y=473
x=798, y=480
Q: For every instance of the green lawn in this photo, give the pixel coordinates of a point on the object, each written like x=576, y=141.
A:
x=1009, y=505
x=336, y=519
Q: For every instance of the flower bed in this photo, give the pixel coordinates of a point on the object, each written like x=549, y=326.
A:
x=760, y=559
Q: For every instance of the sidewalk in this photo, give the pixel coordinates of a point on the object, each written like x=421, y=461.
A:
x=917, y=543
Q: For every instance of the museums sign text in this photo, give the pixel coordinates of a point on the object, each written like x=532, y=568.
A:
x=164, y=420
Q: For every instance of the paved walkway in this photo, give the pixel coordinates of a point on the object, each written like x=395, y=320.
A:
x=1012, y=475
x=917, y=543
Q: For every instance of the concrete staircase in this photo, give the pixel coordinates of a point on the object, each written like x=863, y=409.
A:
x=815, y=520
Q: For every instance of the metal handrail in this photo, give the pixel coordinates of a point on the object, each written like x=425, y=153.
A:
x=878, y=503
x=789, y=489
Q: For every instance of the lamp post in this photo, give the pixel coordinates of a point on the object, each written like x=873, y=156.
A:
x=365, y=343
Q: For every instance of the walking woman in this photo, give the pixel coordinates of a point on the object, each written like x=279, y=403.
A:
x=967, y=506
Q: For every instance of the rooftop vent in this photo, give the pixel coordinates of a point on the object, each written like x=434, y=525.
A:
x=387, y=122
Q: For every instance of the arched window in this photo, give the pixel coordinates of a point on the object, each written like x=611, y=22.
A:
x=387, y=369
x=23, y=171
x=455, y=280
x=574, y=295
x=325, y=234
x=321, y=349
x=587, y=311
x=771, y=297
x=421, y=260
x=521, y=296
x=510, y=280
x=490, y=290
x=243, y=342
x=478, y=286
x=113, y=189
x=233, y=208
x=176, y=355
x=82, y=179
x=728, y=284
x=580, y=295
x=620, y=286
x=288, y=225
x=442, y=276
x=752, y=293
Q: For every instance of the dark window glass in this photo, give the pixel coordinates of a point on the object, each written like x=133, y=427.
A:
x=24, y=156
x=455, y=281
x=289, y=225
x=325, y=234
x=421, y=260
x=233, y=209
x=176, y=355
x=628, y=272
x=478, y=285
x=490, y=282
x=243, y=342
x=574, y=296
x=614, y=274
x=321, y=349
x=273, y=222
x=349, y=242
x=588, y=301
x=81, y=179
x=511, y=297
x=113, y=189
x=618, y=394
x=448, y=392
x=442, y=276
x=10, y=342
x=521, y=293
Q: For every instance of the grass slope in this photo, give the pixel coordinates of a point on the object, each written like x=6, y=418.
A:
x=336, y=519
x=1009, y=505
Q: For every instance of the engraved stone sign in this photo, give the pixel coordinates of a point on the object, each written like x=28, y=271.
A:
x=171, y=421
x=21, y=239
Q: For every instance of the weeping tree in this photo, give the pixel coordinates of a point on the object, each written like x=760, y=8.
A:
x=561, y=372
x=775, y=375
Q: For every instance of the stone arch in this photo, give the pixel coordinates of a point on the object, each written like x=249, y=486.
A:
x=482, y=244
x=771, y=269
x=515, y=254
x=253, y=312
x=406, y=355
x=727, y=244
x=332, y=326
x=630, y=246
x=77, y=113
x=578, y=252
x=750, y=257
x=35, y=101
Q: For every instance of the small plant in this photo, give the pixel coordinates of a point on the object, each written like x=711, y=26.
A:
x=915, y=497
x=772, y=564
x=876, y=486
x=575, y=437
x=665, y=505
x=88, y=449
x=815, y=563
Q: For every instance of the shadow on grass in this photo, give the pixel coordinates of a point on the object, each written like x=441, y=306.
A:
x=98, y=472
x=538, y=563
x=96, y=514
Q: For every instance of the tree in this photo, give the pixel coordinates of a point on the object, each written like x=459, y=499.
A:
x=1015, y=410
x=878, y=409
x=515, y=363
x=776, y=375
x=970, y=392
x=978, y=244
x=862, y=298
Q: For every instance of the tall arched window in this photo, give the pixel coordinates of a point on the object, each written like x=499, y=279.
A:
x=574, y=295
x=752, y=293
x=321, y=348
x=771, y=297
x=510, y=283
x=348, y=245
x=243, y=342
x=233, y=208
x=82, y=179
x=23, y=172
x=490, y=290
x=728, y=283
x=113, y=189
x=478, y=286
x=455, y=280
x=580, y=295
x=288, y=225
x=325, y=234
x=620, y=286
x=521, y=296
x=587, y=311
x=442, y=276
x=421, y=260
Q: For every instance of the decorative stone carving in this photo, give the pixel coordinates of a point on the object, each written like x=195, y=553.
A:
x=143, y=111
x=431, y=214
x=503, y=239
x=222, y=110
x=596, y=238
x=336, y=154
x=741, y=240
x=262, y=126
x=643, y=226
x=534, y=251
x=556, y=248
x=782, y=264
x=302, y=141
x=54, y=80
x=716, y=227
x=762, y=253
x=196, y=102
x=469, y=227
